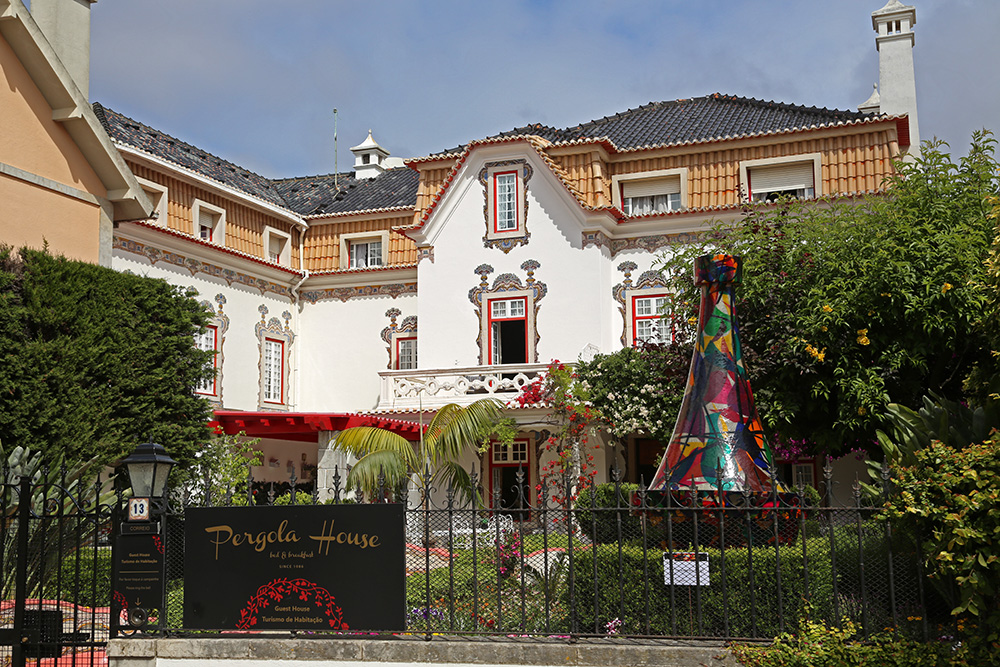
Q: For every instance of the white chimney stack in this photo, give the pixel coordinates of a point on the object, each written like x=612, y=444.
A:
x=66, y=25
x=897, y=89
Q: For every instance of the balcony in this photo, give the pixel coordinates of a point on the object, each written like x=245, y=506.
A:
x=432, y=388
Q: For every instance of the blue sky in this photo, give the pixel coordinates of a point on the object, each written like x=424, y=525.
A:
x=256, y=81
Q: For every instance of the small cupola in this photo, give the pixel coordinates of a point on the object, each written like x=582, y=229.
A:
x=369, y=158
x=873, y=103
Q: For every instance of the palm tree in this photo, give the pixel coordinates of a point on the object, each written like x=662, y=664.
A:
x=452, y=432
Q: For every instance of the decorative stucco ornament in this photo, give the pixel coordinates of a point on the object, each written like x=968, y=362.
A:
x=717, y=428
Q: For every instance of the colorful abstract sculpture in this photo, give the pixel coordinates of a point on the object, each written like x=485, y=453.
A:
x=717, y=428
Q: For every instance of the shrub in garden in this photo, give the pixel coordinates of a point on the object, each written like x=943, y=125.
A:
x=952, y=497
x=600, y=511
x=824, y=645
x=628, y=584
x=83, y=577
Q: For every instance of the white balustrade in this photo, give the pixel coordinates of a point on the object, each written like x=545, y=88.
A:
x=433, y=388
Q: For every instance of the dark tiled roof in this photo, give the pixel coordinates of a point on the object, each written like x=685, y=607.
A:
x=658, y=123
x=537, y=129
x=702, y=118
x=127, y=131
x=696, y=119
x=315, y=195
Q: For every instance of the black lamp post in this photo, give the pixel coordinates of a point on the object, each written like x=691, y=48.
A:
x=140, y=565
x=148, y=468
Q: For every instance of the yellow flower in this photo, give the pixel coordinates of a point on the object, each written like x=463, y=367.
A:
x=945, y=288
x=692, y=321
x=818, y=355
x=863, y=337
x=822, y=328
x=827, y=309
x=862, y=411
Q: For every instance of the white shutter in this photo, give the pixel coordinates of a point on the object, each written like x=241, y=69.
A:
x=650, y=187
x=792, y=176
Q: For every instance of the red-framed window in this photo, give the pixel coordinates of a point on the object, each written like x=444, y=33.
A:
x=651, y=319
x=508, y=329
x=273, y=371
x=505, y=461
x=208, y=340
x=406, y=353
x=505, y=217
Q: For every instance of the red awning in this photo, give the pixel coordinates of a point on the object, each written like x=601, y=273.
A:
x=305, y=425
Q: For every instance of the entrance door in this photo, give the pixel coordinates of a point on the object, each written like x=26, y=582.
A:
x=505, y=463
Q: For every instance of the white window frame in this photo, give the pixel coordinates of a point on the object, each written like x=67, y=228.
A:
x=631, y=296
x=267, y=374
x=398, y=340
x=747, y=167
x=285, y=256
x=201, y=341
x=347, y=240
x=219, y=222
x=513, y=454
x=157, y=195
x=618, y=182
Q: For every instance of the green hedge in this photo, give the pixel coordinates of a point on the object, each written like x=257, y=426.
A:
x=599, y=510
x=83, y=577
x=612, y=584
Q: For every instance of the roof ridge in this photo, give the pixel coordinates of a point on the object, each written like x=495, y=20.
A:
x=341, y=174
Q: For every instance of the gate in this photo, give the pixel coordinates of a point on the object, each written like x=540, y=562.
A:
x=56, y=562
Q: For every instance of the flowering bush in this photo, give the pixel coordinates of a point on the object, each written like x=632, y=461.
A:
x=639, y=389
x=573, y=420
x=508, y=554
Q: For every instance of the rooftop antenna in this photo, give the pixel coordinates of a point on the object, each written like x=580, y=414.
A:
x=335, y=168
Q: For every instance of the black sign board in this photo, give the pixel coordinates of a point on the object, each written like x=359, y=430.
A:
x=305, y=567
x=139, y=570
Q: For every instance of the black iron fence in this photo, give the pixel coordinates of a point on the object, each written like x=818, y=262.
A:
x=618, y=561
x=55, y=560
x=623, y=561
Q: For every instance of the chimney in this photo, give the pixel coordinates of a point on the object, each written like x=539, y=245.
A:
x=66, y=24
x=897, y=89
x=369, y=158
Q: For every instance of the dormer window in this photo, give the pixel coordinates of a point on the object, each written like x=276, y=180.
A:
x=650, y=193
x=767, y=180
x=209, y=222
x=278, y=245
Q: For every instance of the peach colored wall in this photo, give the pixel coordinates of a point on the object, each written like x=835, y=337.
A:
x=31, y=215
x=31, y=140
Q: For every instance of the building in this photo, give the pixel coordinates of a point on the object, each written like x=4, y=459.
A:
x=62, y=183
x=379, y=294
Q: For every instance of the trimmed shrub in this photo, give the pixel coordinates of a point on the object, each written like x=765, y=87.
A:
x=600, y=509
x=83, y=578
x=609, y=585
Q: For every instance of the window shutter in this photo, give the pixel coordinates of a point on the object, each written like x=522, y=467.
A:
x=793, y=176
x=650, y=187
